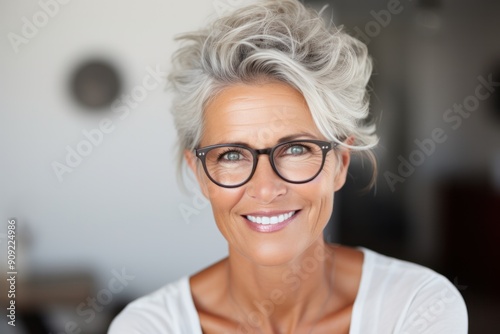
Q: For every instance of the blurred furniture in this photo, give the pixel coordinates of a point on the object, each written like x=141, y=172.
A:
x=37, y=294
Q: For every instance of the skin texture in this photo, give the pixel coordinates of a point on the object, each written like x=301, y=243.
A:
x=287, y=281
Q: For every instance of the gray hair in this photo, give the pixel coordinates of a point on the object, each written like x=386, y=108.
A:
x=276, y=40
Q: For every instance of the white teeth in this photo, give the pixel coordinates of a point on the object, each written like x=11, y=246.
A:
x=270, y=220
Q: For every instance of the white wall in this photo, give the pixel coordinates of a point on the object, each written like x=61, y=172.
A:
x=120, y=208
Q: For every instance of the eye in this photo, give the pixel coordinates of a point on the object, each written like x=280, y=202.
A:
x=296, y=149
x=231, y=155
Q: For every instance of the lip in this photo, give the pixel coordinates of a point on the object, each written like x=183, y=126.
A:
x=268, y=228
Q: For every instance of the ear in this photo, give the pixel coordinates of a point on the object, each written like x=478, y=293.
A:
x=345, y=159
x=192, y=162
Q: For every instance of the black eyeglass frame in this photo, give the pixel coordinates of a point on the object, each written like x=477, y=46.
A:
x=325, y=146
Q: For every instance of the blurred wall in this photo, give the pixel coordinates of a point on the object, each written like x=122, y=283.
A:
x=120, y=207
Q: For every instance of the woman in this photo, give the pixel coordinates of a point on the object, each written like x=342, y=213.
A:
x=269, y=105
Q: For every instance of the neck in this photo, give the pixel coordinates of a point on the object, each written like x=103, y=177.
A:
x=282, y=297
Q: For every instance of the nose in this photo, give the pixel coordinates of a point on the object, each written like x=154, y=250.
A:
x=265, y=185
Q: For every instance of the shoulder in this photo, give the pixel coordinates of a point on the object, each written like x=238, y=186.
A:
x=167, y=310
x=409, y=297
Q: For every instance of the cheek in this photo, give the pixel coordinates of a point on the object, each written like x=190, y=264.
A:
x=321, y=194
x=325, y=198
x=326, y=179
x=223, y=202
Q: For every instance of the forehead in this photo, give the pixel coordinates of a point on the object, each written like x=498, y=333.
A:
x=258, y=115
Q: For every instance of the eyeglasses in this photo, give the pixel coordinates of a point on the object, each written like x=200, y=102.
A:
x=233, y=165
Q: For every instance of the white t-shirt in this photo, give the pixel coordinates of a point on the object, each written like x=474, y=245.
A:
x=394, y=297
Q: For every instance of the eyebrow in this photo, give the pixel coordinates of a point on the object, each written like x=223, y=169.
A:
x=300, y=135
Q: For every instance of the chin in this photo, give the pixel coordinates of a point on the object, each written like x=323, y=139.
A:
x=272, y=254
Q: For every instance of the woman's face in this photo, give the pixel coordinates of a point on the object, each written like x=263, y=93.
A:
x=261, y=116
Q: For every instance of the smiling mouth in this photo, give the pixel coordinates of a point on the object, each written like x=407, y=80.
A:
x=270, y=220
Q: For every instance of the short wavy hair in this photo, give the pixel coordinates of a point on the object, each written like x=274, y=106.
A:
x=277, y=40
